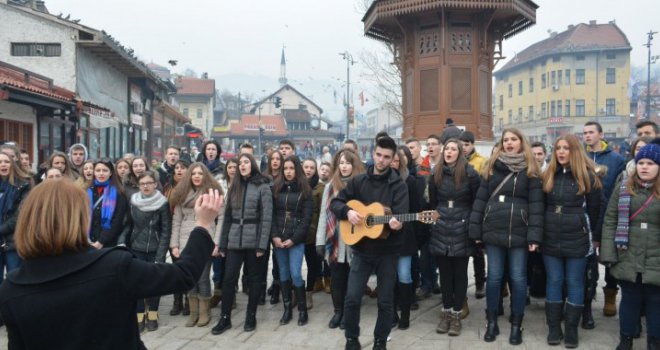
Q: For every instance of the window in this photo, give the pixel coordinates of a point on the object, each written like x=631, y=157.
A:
x=553, y=78
x=559, y=77
x=520, y=88
x=610, y=56
x=610, y=106
x=200, y=114
x=501, y=102
x=553, y=109
x=36, y=49
x=531, y=112
x=543, y=81
x=579, y=57
x=185, y=112
x=531, y=84
x=555, y=59
x=501, y=124
x=510, y=117
x=510, y=90
x=520, y=116
x=610, y=78
x=568, y=108
x=543, y=110
x=579, y=108
x=568, y=76
x=560, y=113
x=579, y=77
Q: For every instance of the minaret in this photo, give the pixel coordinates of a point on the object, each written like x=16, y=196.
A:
x=283, y=79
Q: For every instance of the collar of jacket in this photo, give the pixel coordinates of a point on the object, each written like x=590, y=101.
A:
x=603, y=147
x=49, y=268
x=391, y=176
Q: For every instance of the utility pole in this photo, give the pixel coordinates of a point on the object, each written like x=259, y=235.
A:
x=648, y=77
x=349, y=62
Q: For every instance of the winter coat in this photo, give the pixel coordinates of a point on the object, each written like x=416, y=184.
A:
x=165, y=173
x=148, y=232
x=344, y=253
x=415, y=186
x=292, y=214
x=643, y=253
x=476, y=160
x=183, y=221
x=11, y=216
x=108, y=237
x=567, y=230
x=513, y=218
x=317, y=197
x=449, y=236
x=615, y=165
x=387, y=189
x=86, y=300
x=247, y=226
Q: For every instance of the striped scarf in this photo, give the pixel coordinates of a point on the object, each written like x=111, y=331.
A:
x=621, y=235
x=331, y=239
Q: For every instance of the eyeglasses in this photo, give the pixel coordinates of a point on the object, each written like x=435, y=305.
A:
x=146, y=184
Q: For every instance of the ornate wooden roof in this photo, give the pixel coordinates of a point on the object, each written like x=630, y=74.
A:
x=380, y=20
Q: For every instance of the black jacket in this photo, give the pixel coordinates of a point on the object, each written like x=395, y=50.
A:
x=11, y=216
x=165, y=172
x=148, y=232
x=108, y=237
x=292, y=214
x=514, y=217
x=449, y=236
x=87, y=300
x=415, y=186
x=389, y=190
x=567, y=233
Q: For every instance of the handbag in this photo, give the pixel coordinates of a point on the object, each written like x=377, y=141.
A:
x=499, y=187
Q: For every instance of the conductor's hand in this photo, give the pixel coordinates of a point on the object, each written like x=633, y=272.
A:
x=207, y=208
x=354, y=217
x=395, y=224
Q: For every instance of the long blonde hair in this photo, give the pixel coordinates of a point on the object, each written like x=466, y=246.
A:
x=532, y=168
x=583, y=169
x=350, y=156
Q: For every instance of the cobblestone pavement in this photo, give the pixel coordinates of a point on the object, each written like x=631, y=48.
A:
x=316, y=335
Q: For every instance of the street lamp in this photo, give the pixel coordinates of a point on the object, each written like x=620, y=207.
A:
x=648, y=78
x=349, y=62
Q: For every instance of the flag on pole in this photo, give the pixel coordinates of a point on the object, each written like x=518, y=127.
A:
x=361, y=96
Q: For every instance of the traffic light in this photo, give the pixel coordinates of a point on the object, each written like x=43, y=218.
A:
x=278, y=102
x=261, y=131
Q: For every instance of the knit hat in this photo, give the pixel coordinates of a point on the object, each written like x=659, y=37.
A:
x=650, y=151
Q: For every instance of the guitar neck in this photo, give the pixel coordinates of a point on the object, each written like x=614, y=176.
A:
x=384, y=219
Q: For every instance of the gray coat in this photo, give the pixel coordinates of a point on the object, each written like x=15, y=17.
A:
x=183, y=222
x=255, y=210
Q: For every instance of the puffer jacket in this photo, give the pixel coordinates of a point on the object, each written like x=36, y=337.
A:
x=416, y=185
x=571, y=220
x=292, y=214
x=643, y=253
x=183, y=222
x=148, y=231
x=449, y=236
x=10, y=218
x=615, y=165
x=254, y=210
x=317, y=196
x=513, y=218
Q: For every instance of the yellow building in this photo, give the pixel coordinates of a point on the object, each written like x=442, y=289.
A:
x=196, y=99
x=556, y=85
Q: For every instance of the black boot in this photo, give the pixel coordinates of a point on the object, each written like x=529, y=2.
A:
x=516, y=330
x=250, y=321
x=626, y=343
x=573, y=313
x=492, y=330
x=262, y=294
x=380, y=344
x=553, y=319
x=405, y=299
x=286, y=301
x=301, y=300
x=587, y=317
x=652, y=343
x=224, y=323
x=338, y=305
x=275, y=292
x=186, y=306
x=352, y=344
x=177, y=306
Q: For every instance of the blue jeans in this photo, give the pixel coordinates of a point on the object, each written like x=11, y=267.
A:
x=218, y=266
x=10, y=260
x=517, y=277
x=404, y=270
x=290, y=263
x=565, y=270
x=634, y=296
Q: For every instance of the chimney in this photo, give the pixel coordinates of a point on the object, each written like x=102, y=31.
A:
x=205, y=75
x=571, y=26
x=553, y=34
x=40, y=6
x=592, y=22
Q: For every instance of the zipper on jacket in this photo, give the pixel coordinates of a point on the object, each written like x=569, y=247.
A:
x=513, y=194
x=286, y=201
x=240, y=236
x=561, y=193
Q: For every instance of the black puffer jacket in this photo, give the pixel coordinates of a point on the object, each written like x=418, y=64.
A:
x=514, y=217
x=416, y=186
x=148, y=231
x=292, y=214
x=21, y=190
x=566, y=231
x=449, y=236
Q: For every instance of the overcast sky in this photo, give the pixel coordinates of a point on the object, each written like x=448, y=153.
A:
x=246, y=37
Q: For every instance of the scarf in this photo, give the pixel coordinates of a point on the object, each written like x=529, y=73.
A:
x=6, y=198
x=514, y=161
x=108, y=203
x=331, y=236
x=147, y=204
x=622, y=233
x=211, y=165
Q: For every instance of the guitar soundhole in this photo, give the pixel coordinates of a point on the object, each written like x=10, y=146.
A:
x=370, y=220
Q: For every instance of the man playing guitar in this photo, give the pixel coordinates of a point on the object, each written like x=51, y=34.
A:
x=379, y=184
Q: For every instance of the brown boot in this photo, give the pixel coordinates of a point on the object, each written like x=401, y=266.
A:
x=609, y=308
x=454, y=323
x=318, y=285
x=465, y=311
x=140, y=321
x=193, y=301
x=326, y=284
x=204, y=317
x=217, y=295
x=445, y=317
x=310, y=303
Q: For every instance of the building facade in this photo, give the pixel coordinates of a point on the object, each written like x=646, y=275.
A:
x=196, y=100
x=555, y=86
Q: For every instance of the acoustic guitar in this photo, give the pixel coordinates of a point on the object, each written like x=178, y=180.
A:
x=375, y=217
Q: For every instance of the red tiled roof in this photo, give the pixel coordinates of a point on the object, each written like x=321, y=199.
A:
x=16, y=79
x=249, y=126
x=579, y=38
x=195, y=86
